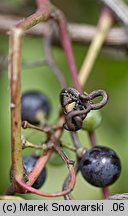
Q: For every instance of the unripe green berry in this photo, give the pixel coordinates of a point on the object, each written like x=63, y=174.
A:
x=92, y=120
x=56, y=159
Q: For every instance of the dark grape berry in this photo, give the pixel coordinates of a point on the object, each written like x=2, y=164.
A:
x=34, y=105
x=100, y=166
x=29, y=162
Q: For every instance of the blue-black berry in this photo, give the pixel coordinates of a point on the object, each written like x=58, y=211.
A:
x=29, y=162
x=100, y=166
x=34, y=105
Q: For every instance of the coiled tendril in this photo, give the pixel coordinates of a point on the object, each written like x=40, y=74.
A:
x=81, y=105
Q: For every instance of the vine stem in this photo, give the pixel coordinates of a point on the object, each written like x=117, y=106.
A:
x=105, y=22
x=16, y=34
x=66, y=43
x=42, y=14
x=39, y=167
x=49, y=56
x=61, y=193
x=15, y=71
x=67, y=182
x=75, y=140
x=79, y=33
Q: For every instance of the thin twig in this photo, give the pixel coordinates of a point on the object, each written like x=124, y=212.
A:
x=41, y=162
x=44, y=128
x=43, y=14
x=49, y=57
x=81, y=33
x=60, y=151
x=68, y=146
x=75, y=140
x=59, y=17
x=104, y=24
x=67, y=182
x=27, y=144
x=56, y=194
x=92, y=138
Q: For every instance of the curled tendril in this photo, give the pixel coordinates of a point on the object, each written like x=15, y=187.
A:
x=83, y=104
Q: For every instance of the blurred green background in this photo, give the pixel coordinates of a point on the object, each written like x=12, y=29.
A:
x=109, y=73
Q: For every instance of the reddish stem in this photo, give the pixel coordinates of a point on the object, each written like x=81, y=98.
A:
x=105, y=192
x=92, y=138
x=57, y=194
x=66, y=43
x=34, y=174
x=42, y=14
